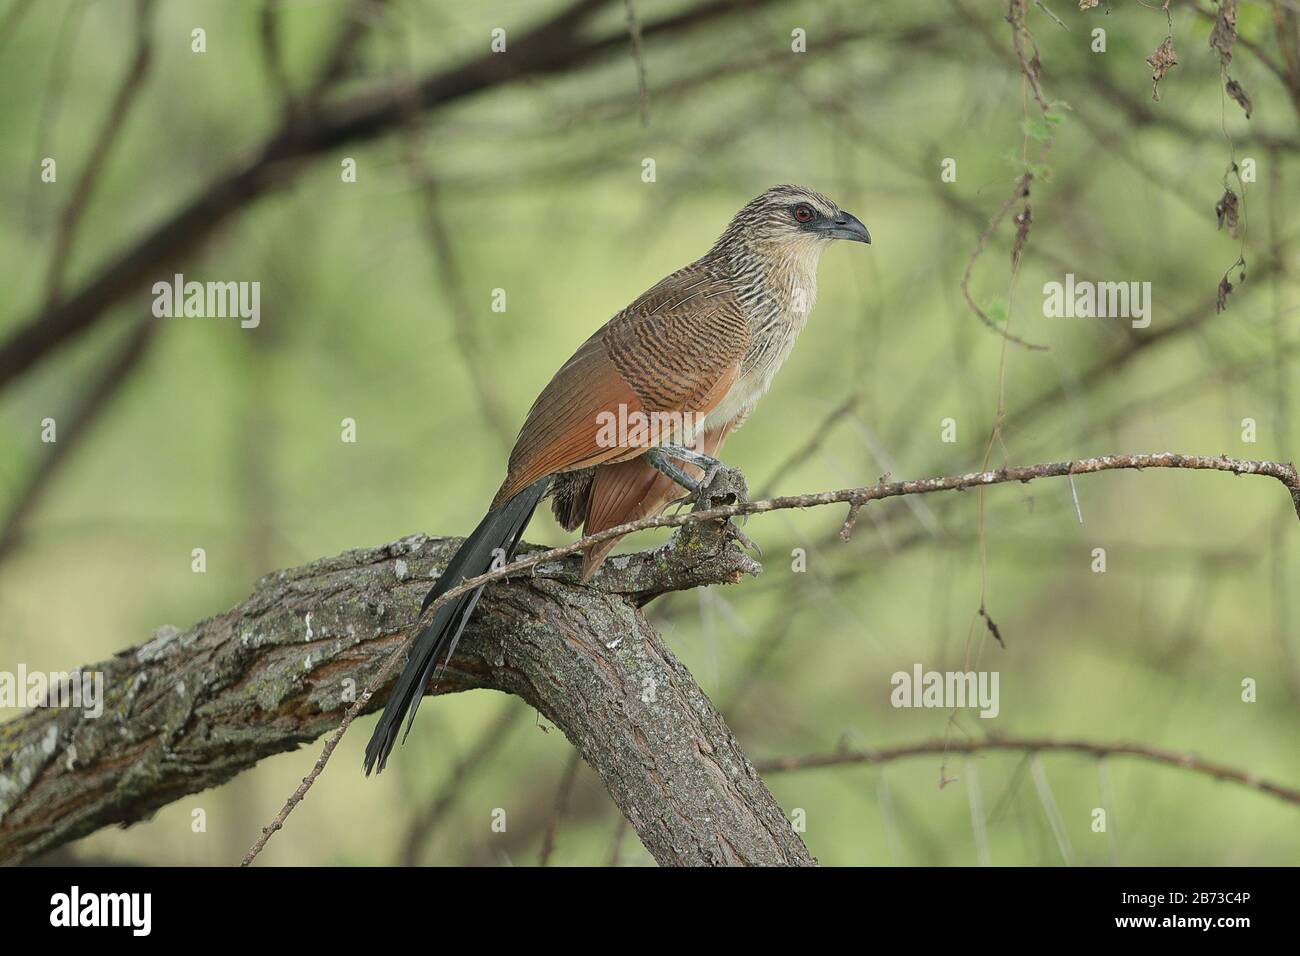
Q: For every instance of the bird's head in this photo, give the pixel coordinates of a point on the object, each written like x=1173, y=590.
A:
x=793, y=217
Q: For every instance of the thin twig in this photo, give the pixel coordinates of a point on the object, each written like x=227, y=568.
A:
x=51, y=102
x=638, y=57
x=273, y=54
x=1030, y=68
x=73, y=426
x=102, y=146
x=1033, y=745
x=814, y=442
x=1020, y=192
x=562, y=794
x=476, y=758
x=333, y=67
x=465, y=332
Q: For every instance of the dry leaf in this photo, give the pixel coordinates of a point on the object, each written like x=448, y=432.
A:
x=1225, y=290
x=1234, y=89
x=1226, y=211
x=1161, y=62
x=1224, y=34
x=1023, y=221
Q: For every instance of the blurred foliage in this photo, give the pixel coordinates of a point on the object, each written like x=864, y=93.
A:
x=229, y=439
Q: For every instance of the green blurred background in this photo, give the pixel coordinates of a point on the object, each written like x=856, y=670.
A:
x=229, y=439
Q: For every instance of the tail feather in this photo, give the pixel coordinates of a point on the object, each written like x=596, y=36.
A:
x=502, y=527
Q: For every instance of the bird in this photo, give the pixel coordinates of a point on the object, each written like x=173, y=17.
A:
x=693, y=355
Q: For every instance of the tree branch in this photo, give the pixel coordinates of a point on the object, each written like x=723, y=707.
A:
x=187, y=711
x=1033, y=745
x=554, y=46
x=74, y=424
x=84, y=188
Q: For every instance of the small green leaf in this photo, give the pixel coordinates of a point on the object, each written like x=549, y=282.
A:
x=1037, y=127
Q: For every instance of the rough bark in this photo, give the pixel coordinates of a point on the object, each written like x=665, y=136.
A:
x=190, y=709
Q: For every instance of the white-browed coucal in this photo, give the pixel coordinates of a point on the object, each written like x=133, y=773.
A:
x=694, y=354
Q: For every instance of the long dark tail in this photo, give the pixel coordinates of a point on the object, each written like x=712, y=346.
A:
x=502, y=528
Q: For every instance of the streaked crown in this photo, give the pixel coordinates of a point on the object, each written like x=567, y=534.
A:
x=780, y=213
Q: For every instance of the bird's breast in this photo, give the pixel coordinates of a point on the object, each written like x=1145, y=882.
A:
x=772, y=337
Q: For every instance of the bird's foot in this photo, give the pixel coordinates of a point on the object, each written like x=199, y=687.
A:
x=664, y=459
x=720, y=486
x=689, y=455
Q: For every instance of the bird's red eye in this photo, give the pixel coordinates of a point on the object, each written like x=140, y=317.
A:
x=803, y=212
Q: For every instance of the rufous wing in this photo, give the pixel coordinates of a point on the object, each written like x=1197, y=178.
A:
x=561, y=432
x=677, y=349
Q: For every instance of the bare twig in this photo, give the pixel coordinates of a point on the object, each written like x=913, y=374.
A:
x=561, y=809
x=1020, y=192
x=101, y=147
x=64, y=44
x=1029, y=64
x=476, y=757
x=356, y=24
x=554, y=46
x=1033, y=745
x=273, y=54
x=1031, y=69
x=465, y=334
x=638, y=57
x=74, y=425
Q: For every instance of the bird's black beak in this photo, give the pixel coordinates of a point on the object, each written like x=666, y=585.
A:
x=846, y=226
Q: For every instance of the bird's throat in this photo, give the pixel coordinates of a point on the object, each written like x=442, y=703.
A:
x=779, y=294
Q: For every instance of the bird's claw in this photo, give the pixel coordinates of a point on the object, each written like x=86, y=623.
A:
x=734, y=530
x=702, y=486
x=717, y=486
x=720, y=486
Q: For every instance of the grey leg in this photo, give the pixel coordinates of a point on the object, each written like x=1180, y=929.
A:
x=661, y=461
x=710, y=465
x=691, y=456
x=661, y=458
